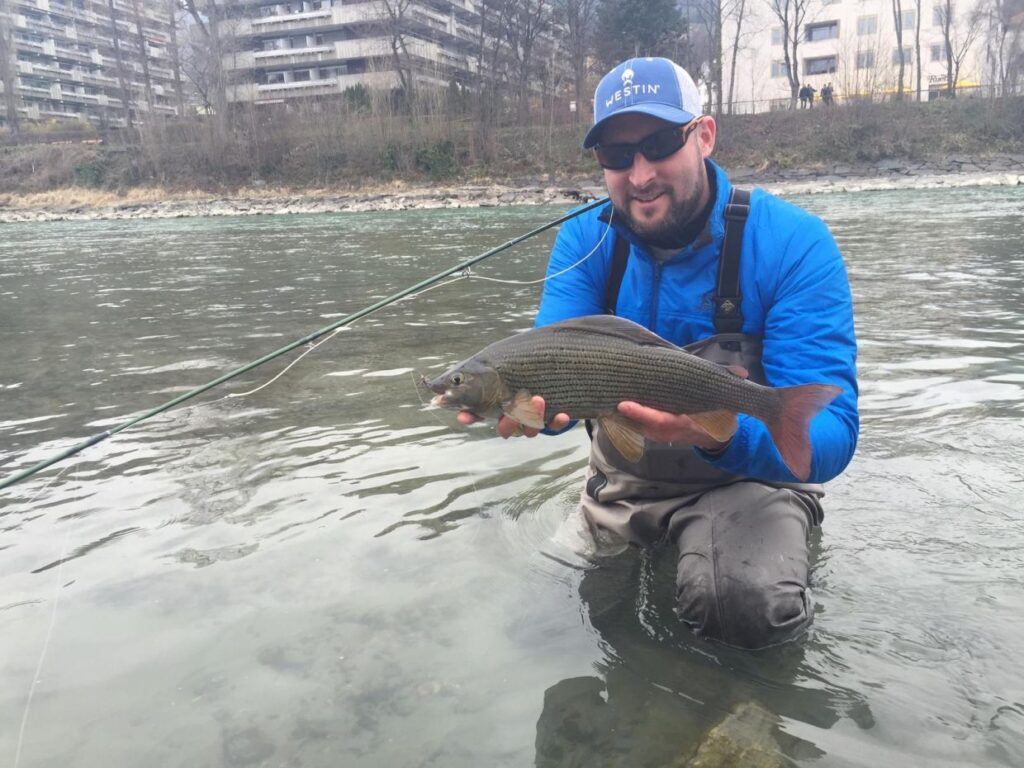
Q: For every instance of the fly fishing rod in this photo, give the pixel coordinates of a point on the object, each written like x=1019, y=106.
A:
x=349, y=319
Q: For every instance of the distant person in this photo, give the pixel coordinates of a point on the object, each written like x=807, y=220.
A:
x=803, y=96
x=826, y=95
x=744, y=279
x=811, y=90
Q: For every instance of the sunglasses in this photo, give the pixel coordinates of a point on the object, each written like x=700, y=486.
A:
x=657, y=146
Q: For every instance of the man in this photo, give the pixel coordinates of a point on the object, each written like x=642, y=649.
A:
x=774, y=300
x=803, y=95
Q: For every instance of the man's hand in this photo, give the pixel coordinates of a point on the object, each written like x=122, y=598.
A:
x=662, y=427
x=511, y=428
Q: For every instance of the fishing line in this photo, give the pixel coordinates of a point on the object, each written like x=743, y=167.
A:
x=467, y=273
x=559, y=273
x=334, y=333
x=57, y=589
x=462, y=267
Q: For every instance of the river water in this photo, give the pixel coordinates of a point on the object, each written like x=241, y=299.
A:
x=328, y=573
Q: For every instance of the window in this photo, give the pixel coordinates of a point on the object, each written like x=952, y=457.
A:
x=778, y=69
x=939, y=53
x=827, y=30
x=908, y=19
x=300, y=75
x=867, y=25
x=906, y=58
x=275, y=77
x=777, y=36
x=865, y=59
x=820, y=66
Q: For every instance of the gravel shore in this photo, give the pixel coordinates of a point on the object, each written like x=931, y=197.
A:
x=953, y=171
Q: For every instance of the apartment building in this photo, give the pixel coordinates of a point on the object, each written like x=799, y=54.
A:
x=86, y=60
x=852, y=44
x=301, y=48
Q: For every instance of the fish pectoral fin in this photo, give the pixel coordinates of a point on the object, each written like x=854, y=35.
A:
x=738, y=370
x=625, y=434
x=521, y=409
x=721, y=425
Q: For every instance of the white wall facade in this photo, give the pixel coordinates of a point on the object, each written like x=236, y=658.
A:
x=852, y=45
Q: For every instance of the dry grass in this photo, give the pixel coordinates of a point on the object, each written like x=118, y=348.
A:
x=88, y=198
x=76, y=197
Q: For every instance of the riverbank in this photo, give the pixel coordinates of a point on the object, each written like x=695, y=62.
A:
x=78, y=204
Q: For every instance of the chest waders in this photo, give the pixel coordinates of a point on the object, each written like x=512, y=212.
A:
x=743, y=556
x=667, y=471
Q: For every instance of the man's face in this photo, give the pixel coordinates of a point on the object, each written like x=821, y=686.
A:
x=658, y=199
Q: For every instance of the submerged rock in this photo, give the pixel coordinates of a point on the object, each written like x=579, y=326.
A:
x=744, y=738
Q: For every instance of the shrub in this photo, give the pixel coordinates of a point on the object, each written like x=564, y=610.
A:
x=90, y=173
x=437, y=160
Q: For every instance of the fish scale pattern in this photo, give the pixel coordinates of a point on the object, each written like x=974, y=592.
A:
x=587, y=375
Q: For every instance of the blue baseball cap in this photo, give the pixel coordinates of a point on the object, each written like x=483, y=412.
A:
x=650, y=86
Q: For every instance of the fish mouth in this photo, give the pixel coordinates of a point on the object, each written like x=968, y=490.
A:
x=437, y=387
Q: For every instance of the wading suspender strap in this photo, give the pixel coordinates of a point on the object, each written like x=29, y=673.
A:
x=728, y=318
x=620, y=256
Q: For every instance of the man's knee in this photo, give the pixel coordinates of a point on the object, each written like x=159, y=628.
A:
x=746, y=613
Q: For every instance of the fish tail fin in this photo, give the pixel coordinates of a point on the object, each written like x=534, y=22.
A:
x=790, y=426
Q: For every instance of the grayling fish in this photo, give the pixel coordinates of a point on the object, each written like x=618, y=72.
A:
x=586, y=366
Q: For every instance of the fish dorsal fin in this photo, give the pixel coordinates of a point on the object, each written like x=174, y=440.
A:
x=721, y=425
x=613, y=325
x=521, y=409
x=625, y=434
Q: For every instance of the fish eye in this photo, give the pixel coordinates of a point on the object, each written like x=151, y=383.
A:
x=457, y=379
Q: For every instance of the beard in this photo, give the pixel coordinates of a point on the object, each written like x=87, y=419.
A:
x=671, y=230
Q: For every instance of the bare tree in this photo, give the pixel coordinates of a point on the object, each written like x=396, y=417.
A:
x=897, y=18
x=395, y=24
x=8, y=73
x=710, y=14
x=579, y=22
x=143, y=58
x=736, y=12
x=179, y=91
x=791, y=15
x=213, y=28
x=957, y=40
x=917, y=48
x=1004, y=32
x=123, y=81
x=526, y=22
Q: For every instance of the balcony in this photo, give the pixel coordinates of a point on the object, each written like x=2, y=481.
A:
x=85, y=98
x=366, y=48
x=293, y=56
x=267, y=93
x=67, y=53
x=94, y=79
x=305, y=88
x=272, y=25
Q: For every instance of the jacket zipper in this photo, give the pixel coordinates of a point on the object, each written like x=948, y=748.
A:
x=656, y=290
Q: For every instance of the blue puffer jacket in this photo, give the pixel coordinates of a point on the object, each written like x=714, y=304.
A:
x=796, y=297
